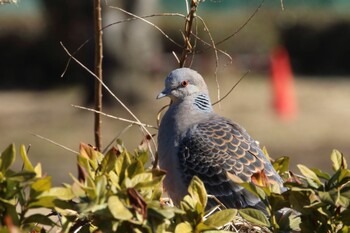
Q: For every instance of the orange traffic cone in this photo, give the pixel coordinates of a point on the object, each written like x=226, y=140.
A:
x=283, y=85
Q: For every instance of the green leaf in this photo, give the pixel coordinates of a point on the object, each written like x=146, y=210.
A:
x=118, y=209
x=47, y=201
x=134, y=169
x=254, y=216
x=321, y=174
x=60, y=193
x=308, y=173
x=197, y=191
x=42, y=184
x=281, y=165
x=39, y=219
x=288, y=221
x=221, y=218
x=184, y=227
x=7, y=158
x=108, y=161
x=27, y=165
x=338, y=160
x=328, y=197
x=22, y=176
x=345, y=217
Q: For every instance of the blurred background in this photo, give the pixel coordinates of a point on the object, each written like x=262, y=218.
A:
x=295, y=99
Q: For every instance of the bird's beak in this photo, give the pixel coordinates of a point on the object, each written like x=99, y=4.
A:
x=162, y=94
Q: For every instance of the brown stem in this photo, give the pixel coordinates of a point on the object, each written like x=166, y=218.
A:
x=187, y=48
x=98, y=72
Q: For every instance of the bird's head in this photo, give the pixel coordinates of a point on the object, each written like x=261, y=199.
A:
x=183, y=82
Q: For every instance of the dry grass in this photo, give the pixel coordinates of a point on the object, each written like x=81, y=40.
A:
x=321, y=125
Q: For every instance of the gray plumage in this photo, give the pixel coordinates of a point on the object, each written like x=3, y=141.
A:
x=193, y=140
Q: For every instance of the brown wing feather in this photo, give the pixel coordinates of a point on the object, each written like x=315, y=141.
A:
x=212, y=149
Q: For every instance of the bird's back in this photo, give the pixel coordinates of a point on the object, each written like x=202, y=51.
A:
x=217, y=149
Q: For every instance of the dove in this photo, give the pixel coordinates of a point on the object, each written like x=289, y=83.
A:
x=195, y=141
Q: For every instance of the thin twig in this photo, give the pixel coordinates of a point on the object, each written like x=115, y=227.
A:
x=123, y=21
x=216, y=56
x=114, y=117
x=208, y=44
x=243, y=25
x=154, y=158
x=55, y=143
x=228, y=93
x=116, y=137
x=146, y=21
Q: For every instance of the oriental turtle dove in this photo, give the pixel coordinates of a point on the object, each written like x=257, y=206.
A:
x=195, y=141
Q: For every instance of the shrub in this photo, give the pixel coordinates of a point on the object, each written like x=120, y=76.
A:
x=119, y=192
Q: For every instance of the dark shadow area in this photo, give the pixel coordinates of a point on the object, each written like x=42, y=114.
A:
x=320, y=51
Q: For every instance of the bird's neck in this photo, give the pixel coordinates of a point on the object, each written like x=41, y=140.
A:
x=202, y=103
x=191, y=110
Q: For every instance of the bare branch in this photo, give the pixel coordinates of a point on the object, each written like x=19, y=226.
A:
x=187, y=47
x=98, y=72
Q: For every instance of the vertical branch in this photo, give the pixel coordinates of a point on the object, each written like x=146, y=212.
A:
x=187, y=48
x=98, y=72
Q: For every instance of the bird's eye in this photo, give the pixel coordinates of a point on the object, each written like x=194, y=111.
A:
x=184, y=83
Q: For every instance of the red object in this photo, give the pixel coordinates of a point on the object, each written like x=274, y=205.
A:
x=283, y=84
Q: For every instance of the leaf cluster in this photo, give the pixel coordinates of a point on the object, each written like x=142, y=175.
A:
x=120, y=192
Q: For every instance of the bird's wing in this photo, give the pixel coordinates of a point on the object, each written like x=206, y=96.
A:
x=218, y=149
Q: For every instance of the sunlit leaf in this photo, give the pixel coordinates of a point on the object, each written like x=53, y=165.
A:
x=60, y=193
x=47, y=201
x=254, y=216
x=42, y=184
x=7, y=158
x=108, y=161
x=281, y=165
x=135, y=168
x=118, y=209
x=197, y=191
x=27, y=165
x=321, y=174
x=221, y=218
x=38, y=170
x=184, y=227
x=308, y=173
x=338, y=160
